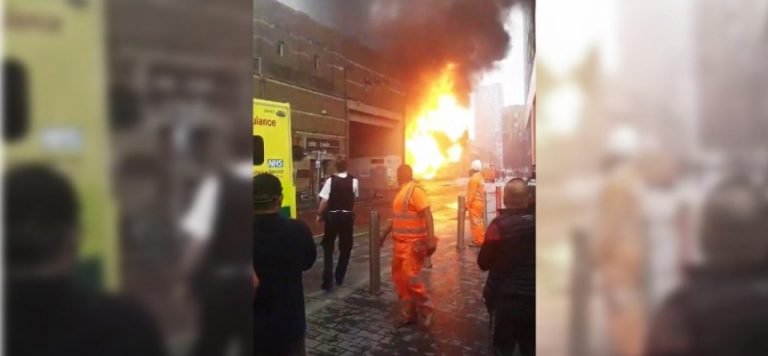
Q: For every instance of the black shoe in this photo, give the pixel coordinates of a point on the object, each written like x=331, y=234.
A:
x=339, y=282
x=326, y=287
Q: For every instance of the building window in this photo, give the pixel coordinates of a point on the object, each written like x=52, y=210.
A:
x=257, y=65
x=16, y=98
x=280, y=48
x=317, y=62
x=258, y=150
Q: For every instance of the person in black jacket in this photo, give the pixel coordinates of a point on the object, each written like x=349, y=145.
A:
x=509, y=254
x=49, y=308
x=283, y=248
x=336, y=209
x=722, y=309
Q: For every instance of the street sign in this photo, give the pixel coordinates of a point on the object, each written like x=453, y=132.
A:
x=331, y=146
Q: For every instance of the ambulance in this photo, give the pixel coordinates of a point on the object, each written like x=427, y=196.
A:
x=56, y=115
x=272, y=148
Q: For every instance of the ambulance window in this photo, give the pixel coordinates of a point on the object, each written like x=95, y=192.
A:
x=258, y=150
x=16, y=100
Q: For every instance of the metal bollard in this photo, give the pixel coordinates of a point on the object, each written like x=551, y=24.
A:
x=581, y=287
x=485, y=208
x=460, y=218
x=374, y=253
x=498, y=200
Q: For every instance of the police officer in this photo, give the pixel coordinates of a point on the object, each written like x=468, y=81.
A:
x=337, y=211
x=509, y=253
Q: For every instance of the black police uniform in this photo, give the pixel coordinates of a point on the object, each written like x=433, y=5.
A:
x=339, y=221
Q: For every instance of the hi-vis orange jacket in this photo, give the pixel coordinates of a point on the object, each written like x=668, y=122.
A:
x=407, y=224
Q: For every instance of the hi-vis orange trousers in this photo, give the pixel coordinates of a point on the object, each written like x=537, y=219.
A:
x=407, y=264
x=477, y=223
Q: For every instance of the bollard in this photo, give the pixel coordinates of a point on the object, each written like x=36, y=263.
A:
x=460, y=218
x=374, y=253
x=498, y=200
x=485, y=208
x=581, y=287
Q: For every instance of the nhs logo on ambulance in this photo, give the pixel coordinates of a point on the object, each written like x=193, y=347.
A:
x=275, y=163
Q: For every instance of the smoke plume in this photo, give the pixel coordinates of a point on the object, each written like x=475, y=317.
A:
x=421, y=36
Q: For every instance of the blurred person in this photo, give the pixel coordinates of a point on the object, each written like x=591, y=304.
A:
x=666, y=212
x=218, y=257
x=621, y=245
x=337, y=211
x=283, y=249
x=413, y=232
x=723, y=308
x=509, y=254
x=49, y=311
x=476, y=203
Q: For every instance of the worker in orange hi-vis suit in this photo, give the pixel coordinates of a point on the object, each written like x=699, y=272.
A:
x=476, y=203
x=412, y=229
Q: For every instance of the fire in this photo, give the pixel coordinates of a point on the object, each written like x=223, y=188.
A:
x=433, y=136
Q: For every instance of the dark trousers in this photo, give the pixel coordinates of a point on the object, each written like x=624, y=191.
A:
x=337, y=224
x=514, y=325
x=297, y=349
x=218, y=329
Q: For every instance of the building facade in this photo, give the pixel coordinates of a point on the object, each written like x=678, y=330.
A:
x=517, y=138
x=345, y=100
x=488, y=104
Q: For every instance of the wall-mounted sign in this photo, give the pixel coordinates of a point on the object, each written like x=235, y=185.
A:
x=330, y=146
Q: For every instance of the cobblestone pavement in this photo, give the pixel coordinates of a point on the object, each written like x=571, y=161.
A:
x=350, y=321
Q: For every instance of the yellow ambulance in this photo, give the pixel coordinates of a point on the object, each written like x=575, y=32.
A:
x=272, y=147
x=56, y=114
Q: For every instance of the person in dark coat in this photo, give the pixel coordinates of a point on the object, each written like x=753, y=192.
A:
x=722, y=309
x=49, y=308
x=282, y=250
x=509, y=254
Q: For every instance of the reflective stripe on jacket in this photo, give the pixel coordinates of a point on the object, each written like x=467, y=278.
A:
x=407, y=225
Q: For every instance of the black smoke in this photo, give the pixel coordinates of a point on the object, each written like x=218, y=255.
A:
x=421, y=36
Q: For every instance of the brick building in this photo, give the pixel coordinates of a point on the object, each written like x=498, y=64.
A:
x=346, y=102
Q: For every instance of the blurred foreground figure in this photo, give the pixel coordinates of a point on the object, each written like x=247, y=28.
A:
x=509, y=253
x=723, y=309
x=48, y=311
x=621, y=246
x=283, y=249
x=476, y=203
x=413, y=232
x=218, y=227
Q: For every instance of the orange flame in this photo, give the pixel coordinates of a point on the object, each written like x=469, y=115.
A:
x=440, y=117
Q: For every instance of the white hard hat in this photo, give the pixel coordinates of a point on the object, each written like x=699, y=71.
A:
x=623, y=142
x=477, y=165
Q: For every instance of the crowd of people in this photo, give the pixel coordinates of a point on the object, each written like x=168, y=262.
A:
x=42, y=242
x=283, y=249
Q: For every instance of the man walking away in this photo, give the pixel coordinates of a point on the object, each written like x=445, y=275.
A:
x=476, y=203
x=509, y=253
x=413, y=231
x=283, y=248
x=336, y=209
